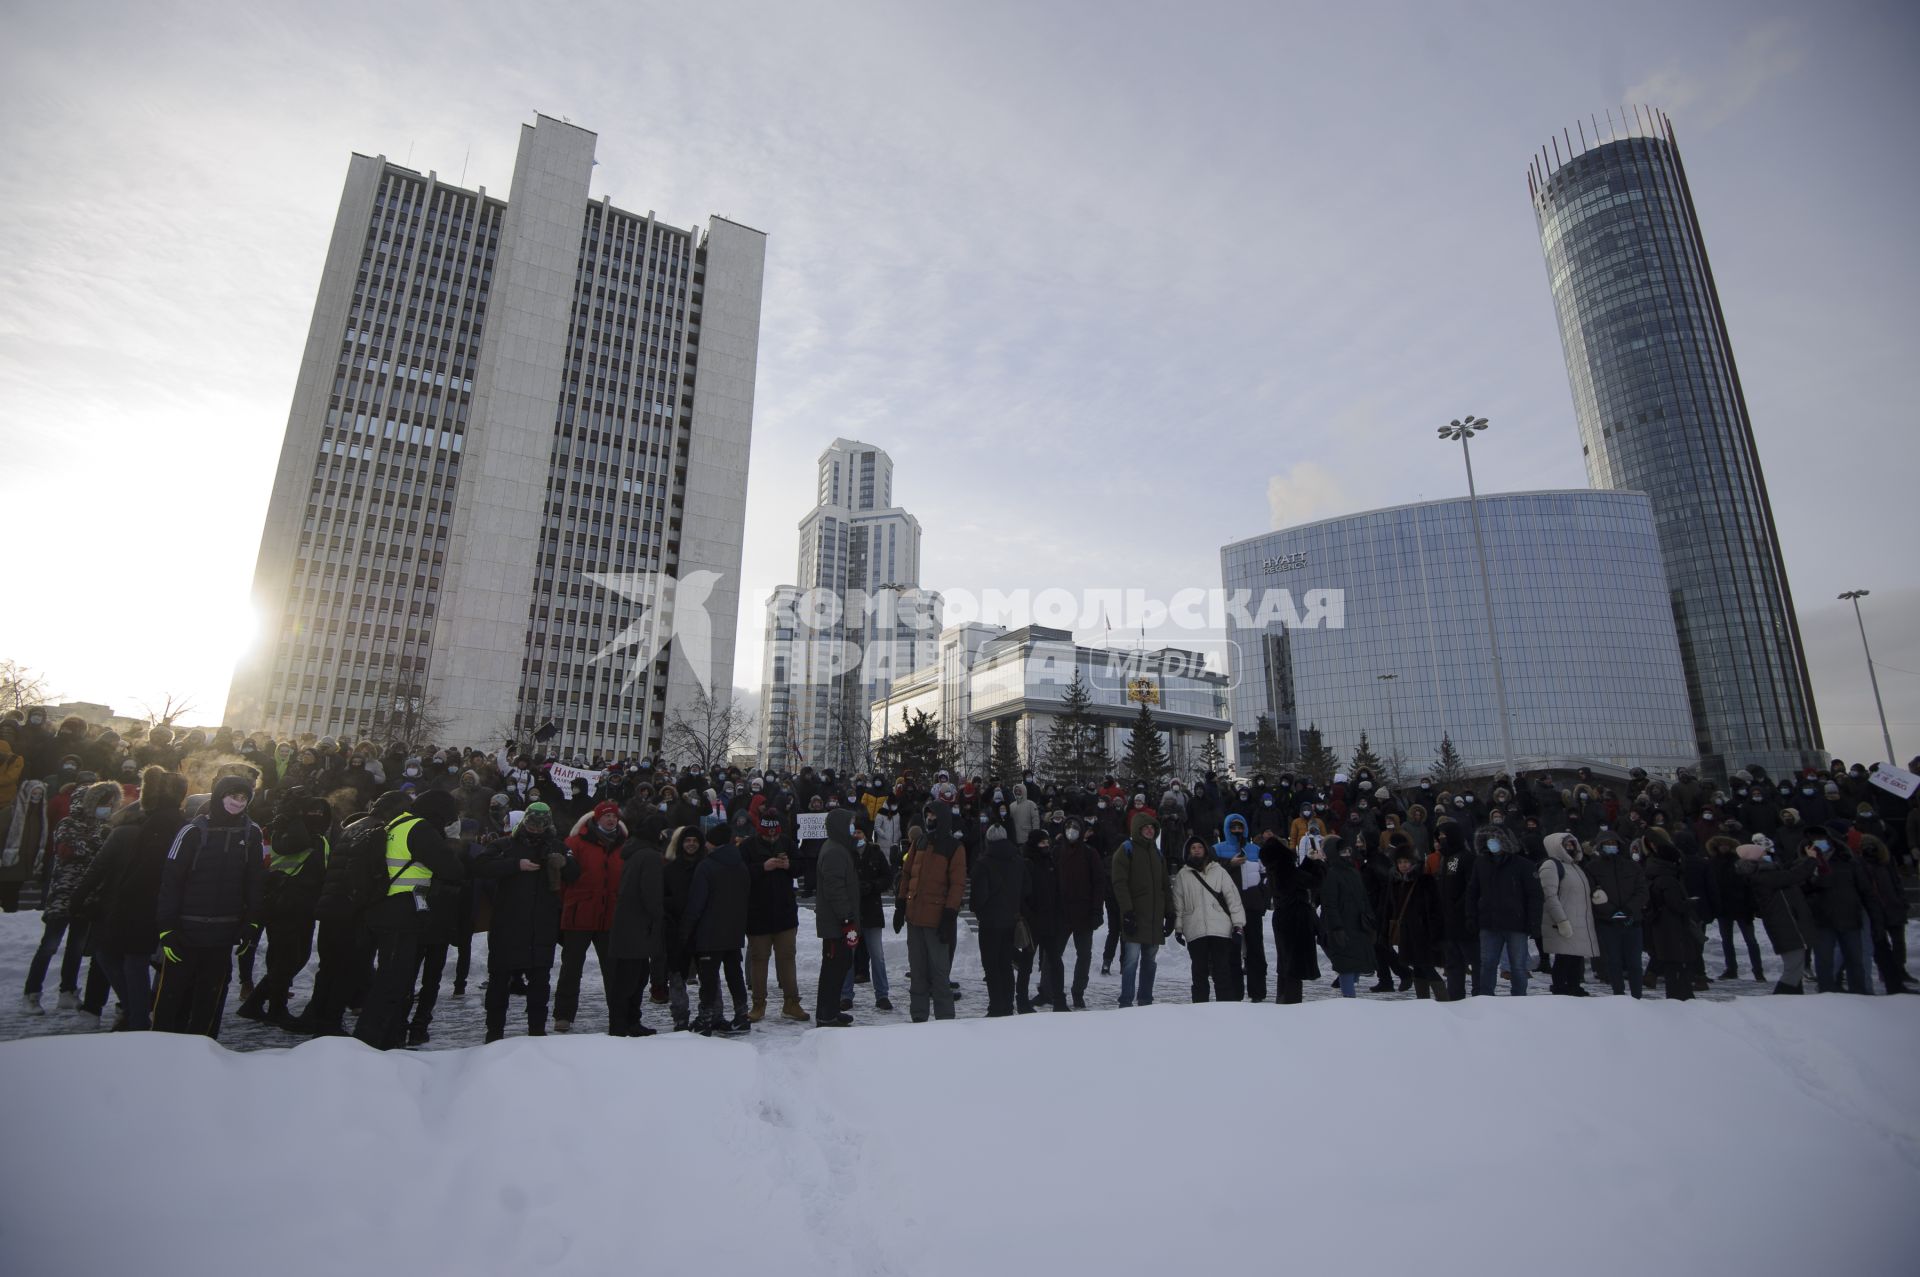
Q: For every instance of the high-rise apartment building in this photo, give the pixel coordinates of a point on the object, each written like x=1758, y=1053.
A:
x=501, y=401
x=1661, y=411
x=826, y=663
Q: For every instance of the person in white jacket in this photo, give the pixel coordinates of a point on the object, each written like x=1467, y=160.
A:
x=1567, y=933
x=1208, y=920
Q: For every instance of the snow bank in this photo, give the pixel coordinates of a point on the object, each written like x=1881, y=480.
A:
x=1565, y=1137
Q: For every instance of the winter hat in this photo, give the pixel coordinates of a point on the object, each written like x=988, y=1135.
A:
x=605, y=809
x=538, y=816
x=437, y=807
x=1750, y=851
x=720, y=836
x=1565, y=844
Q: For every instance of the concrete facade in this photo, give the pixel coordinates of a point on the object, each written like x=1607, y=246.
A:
x=516, y=424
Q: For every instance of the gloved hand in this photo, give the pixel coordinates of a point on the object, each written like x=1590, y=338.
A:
x=167, y=951
x=1166, y=929
x=1126, y=924
x=899, y=916
x=249, y=936
x=1181, y=938
x=1238, y=932
x=851, y=934
x=1564, y=927
x=1599, y=896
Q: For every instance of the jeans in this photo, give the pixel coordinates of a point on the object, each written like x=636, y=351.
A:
x=573, y=964
x=1753, y=946
x=929, y=962
x=1619, y=960
x=1837, y=953
x=1137, y=962
x=1494, y=945
x=870, y=940
x=779, y=946
x=131, y=975
x=1349, y=982
x=51, y=932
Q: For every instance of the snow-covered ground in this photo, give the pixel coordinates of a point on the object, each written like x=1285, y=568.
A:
x=1607, y=1136
x=459, y=1022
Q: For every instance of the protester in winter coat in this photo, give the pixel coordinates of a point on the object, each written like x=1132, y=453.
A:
x=1503, y=906
x=773, y=917
x=1671, y=937
x=1618, y=880
x=999, y=896
x=529, y=870
x=1292, y=883
x=125, y=879
x=836, y=915
x=638, y=939
x=1046, y=929
x=1567, y=927
x=1451, y=865
x=931, y=889
x=1732, y=897
x=1414, y=927
x=587, y=907
x=1347, y=921
x=1024, y=815
x=1139, y=876
x=715, y=928
x=210, y=897
x=1887, y=914
x=417, y=856
x=1083, y=889
x=1209, y=921
x=1781, y=903
x=683, y=854
x=296, y=869
x=24, y=827
x=875, y=873
x=76, y=842
x=1841, y=896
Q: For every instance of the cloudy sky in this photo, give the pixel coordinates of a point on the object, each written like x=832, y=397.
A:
x=1114, y=283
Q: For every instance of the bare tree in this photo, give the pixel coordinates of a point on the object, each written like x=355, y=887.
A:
x=708, y=731
x=172, y=708
x=20, y=687
x=405, y=713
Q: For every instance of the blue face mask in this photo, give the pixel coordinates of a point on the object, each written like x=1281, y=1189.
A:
x=1493, y=845
x=1609, y=849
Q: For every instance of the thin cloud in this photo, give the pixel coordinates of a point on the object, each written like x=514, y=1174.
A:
x=1305, y=491
x=1711, y=96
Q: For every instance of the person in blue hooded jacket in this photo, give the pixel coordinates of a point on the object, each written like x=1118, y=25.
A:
x=1242, y=857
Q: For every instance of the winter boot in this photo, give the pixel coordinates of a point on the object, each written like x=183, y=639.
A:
x=1786, y=988
x=1079, y=1001
x=882, y=1004
x=1384, y=986
x=794, y=1011
x=562, y=1026
x=459, y=988
x=1730, y=973
x=759, y=1011
x=246, y=990
x=1421, y=990
x=69, y=1000
x=30, y=1004
x=703, y=1024
x=641, y=1031
x=742, y=1022
x=846, y=1004
x=254, y=1008
x=1406, y=982
x=417, y=1035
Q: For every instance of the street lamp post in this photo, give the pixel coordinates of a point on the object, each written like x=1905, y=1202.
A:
x=1393, y=730
x=1463, y=430
x=1854, y=597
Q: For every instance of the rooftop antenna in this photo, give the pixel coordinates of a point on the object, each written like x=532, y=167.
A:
x=463, y=164
x=409, y=154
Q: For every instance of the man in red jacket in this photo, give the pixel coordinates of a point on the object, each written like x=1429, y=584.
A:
x=587, y=905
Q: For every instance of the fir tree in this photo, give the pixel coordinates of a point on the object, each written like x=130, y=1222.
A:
x=1269, y=754
x=1146, y=761
x=1212, y=760
x=1365, y=760
x=1006, y=753
x=916, y=748
x=1317, y=760
x=1076, y=754
x=1448, y=769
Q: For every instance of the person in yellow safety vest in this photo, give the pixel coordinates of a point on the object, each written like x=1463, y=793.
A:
x=418, y=854
x=296, y=868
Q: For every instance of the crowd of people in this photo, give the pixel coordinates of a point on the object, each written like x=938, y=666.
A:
x=160, y=861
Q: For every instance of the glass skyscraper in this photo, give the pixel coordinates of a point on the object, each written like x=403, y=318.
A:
x=1660, y=411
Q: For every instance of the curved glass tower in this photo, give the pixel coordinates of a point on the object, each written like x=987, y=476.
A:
x=1660, y=411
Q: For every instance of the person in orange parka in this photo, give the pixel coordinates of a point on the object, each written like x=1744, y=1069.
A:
x=587, y=905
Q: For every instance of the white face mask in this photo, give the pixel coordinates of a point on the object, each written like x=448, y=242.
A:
x=1073, y=835
x=101, y=813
